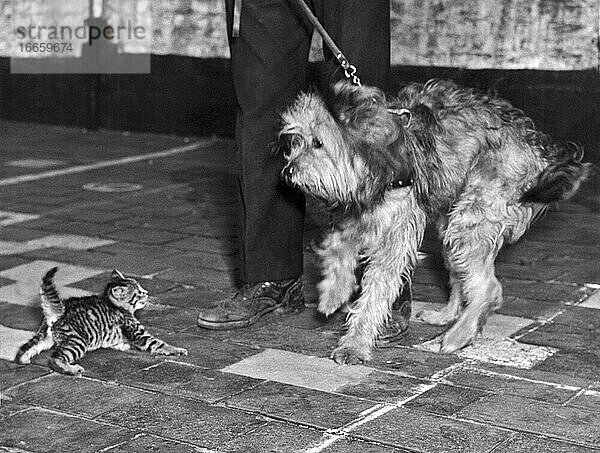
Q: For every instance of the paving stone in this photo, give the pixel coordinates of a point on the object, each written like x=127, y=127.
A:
x=113, y=365
x=300, y=370
x=207, y=352
x=93, y=216
x=21, y=317
x=593, y=301
x=575, y=424
x=525, y=443
x=201, y=260
x=576, y=364
x=13, y=374
x=430, y=433
x=412, y=362
x=222, y=246
x=274, y=437
x=189, y=381
x=144, y=236
x=300, y=405
x=154, y=286
x=77, y=227
x=576, y=329
x=192, y=298
x=383, y=387
x=203, y=277
x=74, y=396
x=351, y=445
x=21, y=233
x=590, y=399
x=36, y=430
x=529, y=308
x=504, y=384
x=171, y=319
x=186, y=420
x=8, y=262
x=445, y=399
x=536, y=374
x=152, y=444
x=276, y=336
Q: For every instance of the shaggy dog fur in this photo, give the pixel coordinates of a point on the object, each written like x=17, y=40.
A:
x=478, y=169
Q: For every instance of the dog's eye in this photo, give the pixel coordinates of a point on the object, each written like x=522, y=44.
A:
x=316, y=143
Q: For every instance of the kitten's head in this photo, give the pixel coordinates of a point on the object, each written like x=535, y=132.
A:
x=126, y=292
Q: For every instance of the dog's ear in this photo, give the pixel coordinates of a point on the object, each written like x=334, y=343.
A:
x=361, y=111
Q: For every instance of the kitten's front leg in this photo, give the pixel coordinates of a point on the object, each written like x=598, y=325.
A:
x=137, y=335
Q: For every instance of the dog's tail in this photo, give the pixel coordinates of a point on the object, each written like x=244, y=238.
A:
x=561, y=178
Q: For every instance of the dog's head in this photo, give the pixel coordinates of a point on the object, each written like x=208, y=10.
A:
x=336, y=144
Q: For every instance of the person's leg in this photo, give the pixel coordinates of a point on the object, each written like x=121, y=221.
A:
x=269, y=64
x=361, y=29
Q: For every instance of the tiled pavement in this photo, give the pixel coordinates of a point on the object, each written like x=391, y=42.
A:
x=530, y=384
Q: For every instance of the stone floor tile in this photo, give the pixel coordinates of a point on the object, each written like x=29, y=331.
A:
x=589, y=399
x=423, y=432
x=412, y=362
x=44, y=431
x=192, y=298
x=575, y=424
x=300, y=405
x=351, y=445
x=383, y=387
x=155, y=286
x=445, y=399
x=300, y=370
x=13, y=374
x=112, y=365
x=204, y=278
x=507, y=384
x=12, y=339
x=144, y=236
x=207, y=352
x=274, y=437
x=186, y=420
x=525, y=443
x=71, y=395
x=576, y=364
x=222, y=246
x=593, y=301
x=171, y=319
x=146, y=443
x=189, y=381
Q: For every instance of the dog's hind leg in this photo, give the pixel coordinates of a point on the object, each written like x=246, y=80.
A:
x=472, y=250
x=339, y=256
x=392, y=253
x=451, y=310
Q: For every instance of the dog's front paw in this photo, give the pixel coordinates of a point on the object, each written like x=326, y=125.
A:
x=329, y=305
x=436, y=318
x=351, y=355
x=458, y=337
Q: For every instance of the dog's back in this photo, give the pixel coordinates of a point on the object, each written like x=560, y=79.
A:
x=481, y=139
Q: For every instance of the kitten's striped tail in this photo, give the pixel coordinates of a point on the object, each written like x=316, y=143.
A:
x=52, y=306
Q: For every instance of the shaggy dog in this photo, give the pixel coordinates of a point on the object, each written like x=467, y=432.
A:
x=471, y=164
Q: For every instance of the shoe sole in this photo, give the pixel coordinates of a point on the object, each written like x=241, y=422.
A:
x=228, y=325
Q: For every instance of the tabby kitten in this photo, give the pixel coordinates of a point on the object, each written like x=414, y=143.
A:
x=80, y=324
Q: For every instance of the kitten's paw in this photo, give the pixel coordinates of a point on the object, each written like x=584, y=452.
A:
x=167, y=349
x=63, y=367
x=22, y=359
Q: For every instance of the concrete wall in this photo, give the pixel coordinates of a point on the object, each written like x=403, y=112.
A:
x=473, y=34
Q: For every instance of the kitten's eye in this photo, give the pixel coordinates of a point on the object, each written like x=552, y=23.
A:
x=119, y=291
x=316, y=143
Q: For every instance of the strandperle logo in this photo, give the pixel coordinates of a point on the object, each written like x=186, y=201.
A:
x=89, y=33
x=80, y=36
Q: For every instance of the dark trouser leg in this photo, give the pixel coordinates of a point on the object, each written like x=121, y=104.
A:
x=269, y=69
x=361, y=29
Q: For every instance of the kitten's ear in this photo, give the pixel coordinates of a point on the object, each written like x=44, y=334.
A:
x=117, y=275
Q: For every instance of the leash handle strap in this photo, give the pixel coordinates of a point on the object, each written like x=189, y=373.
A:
x=349, y=69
